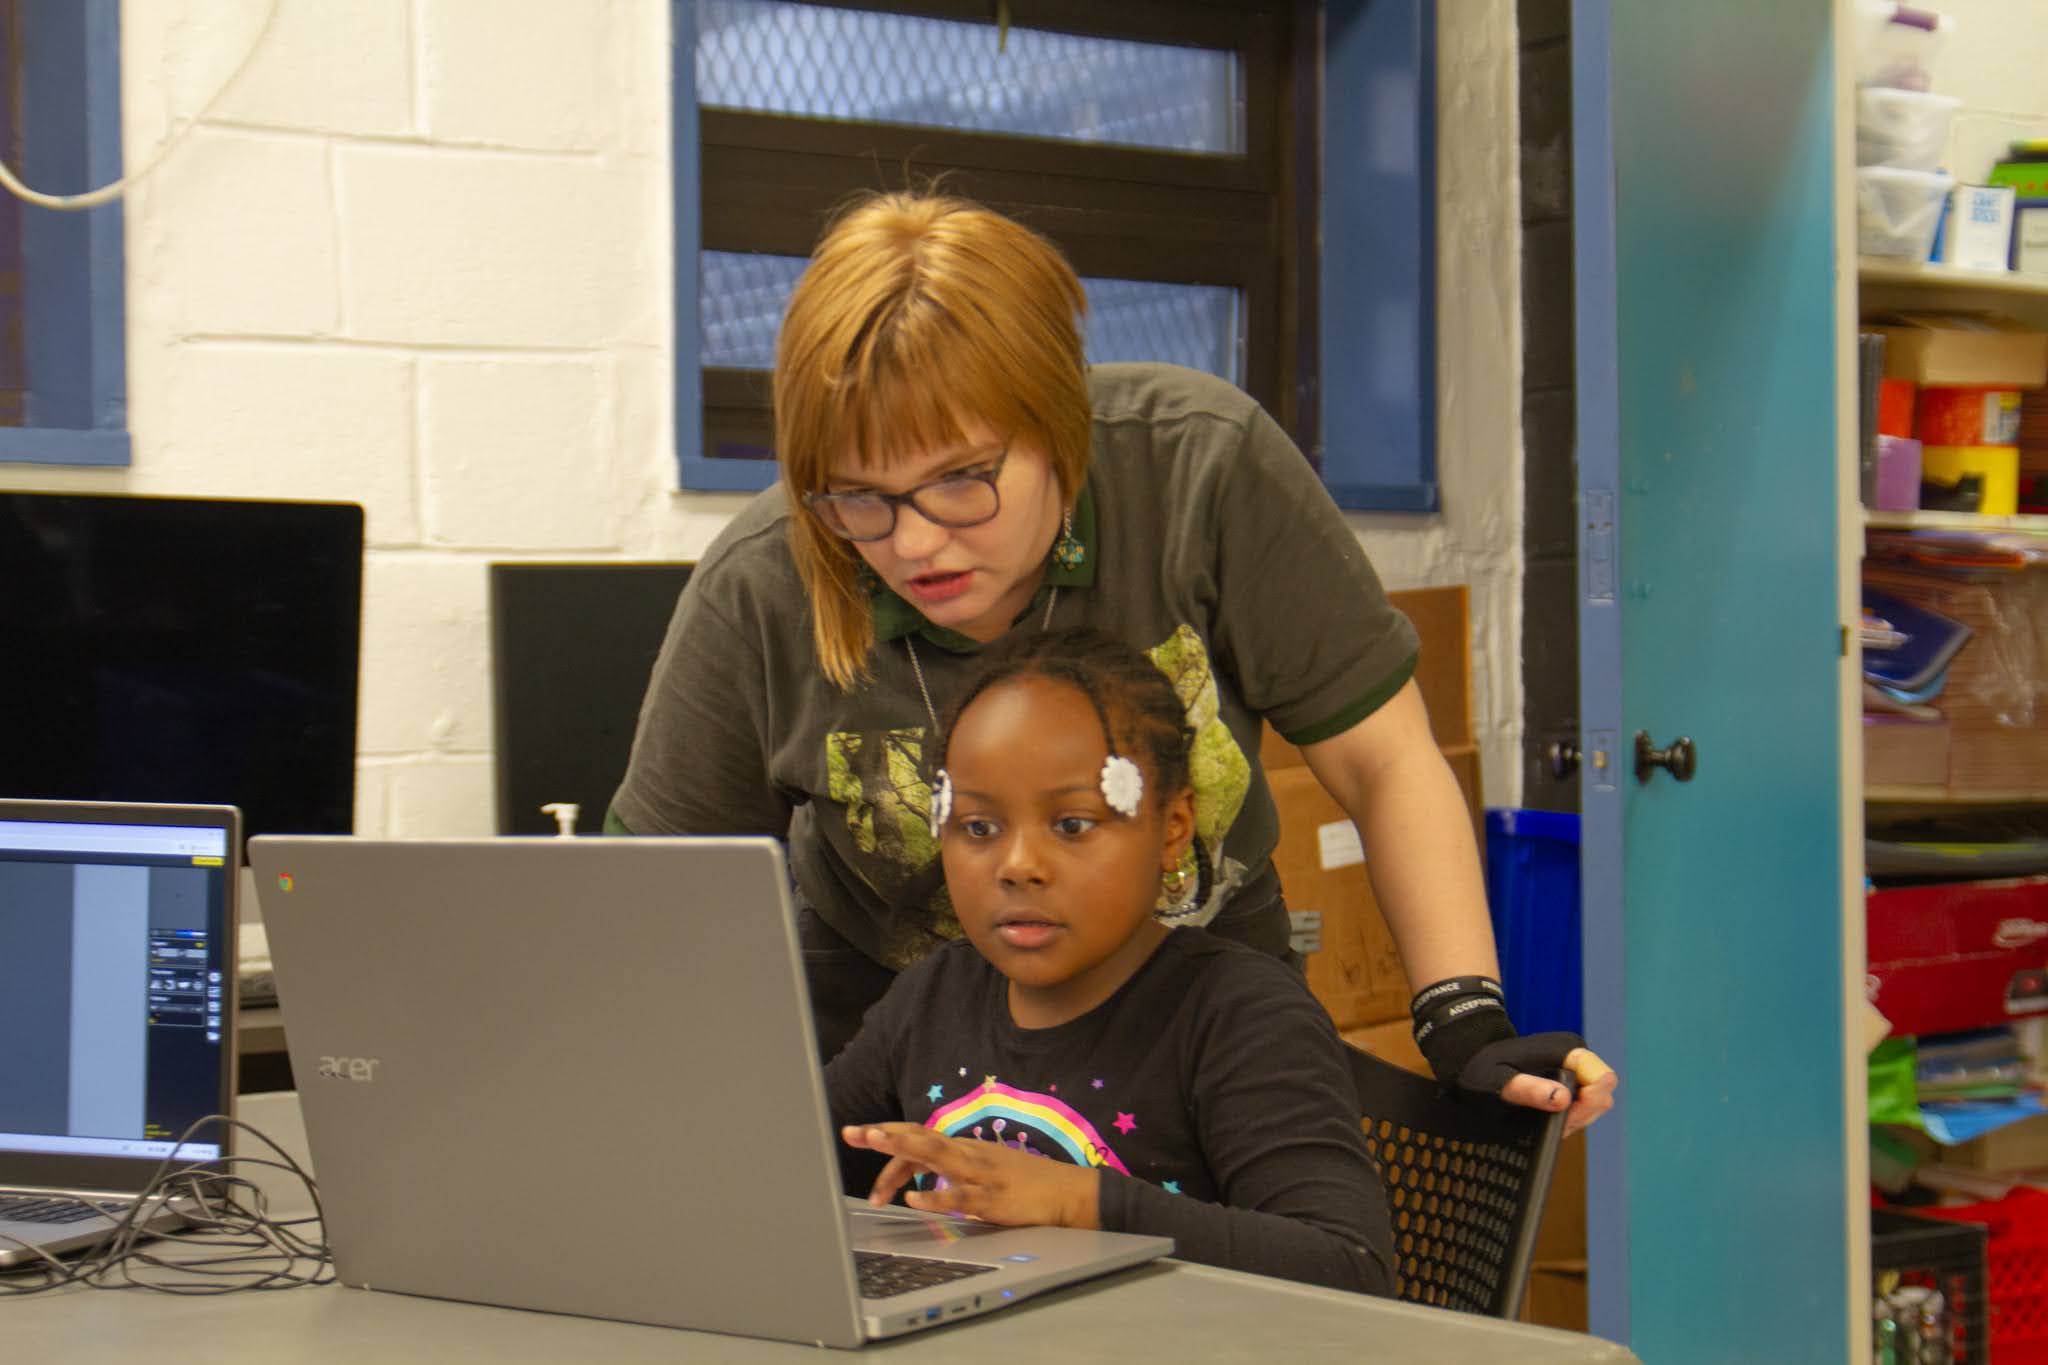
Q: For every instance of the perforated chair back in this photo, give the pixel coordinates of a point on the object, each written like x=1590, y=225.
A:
x=1466, y=1180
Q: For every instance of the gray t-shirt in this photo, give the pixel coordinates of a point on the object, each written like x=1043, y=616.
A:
x=1210, y=544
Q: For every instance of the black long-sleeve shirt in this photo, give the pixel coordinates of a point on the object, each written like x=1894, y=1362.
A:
x=1210, y=1090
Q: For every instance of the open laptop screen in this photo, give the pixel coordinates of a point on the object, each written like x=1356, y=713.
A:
x=116, y=986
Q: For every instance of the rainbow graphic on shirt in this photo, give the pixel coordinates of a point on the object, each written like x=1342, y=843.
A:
x=994, y=1112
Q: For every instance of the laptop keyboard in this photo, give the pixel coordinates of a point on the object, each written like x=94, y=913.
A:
x=884, y=1275
x=35, y=1208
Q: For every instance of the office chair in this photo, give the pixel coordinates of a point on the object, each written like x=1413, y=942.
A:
x=1466, y=1181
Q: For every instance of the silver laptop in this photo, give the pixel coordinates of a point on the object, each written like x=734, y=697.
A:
x=579, y=1075
x=117, y=1003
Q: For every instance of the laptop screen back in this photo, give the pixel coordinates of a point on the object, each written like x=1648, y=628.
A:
x=116, y=988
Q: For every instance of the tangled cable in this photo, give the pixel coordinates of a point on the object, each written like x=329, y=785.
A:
x=228, y=1240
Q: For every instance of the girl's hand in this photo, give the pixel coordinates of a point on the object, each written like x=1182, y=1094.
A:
x=984, y=1180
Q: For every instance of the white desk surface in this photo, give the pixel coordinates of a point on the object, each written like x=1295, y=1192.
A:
x=1163, y=1311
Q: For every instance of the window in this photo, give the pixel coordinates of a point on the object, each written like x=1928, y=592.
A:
x=1148, y=138
x=63, y=370
x=1177, y=150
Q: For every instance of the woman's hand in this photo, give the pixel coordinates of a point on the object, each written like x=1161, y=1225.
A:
x=984, y=1180
x=1596, y=1090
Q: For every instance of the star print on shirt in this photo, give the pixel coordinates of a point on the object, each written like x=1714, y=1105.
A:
x=1124, y=1123
x=988, y=1082
x=1170, y=1186
x=1097, y=1083
x=936, y=1093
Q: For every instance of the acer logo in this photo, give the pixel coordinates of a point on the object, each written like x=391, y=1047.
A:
x=2018, y=933
x=362, y=1069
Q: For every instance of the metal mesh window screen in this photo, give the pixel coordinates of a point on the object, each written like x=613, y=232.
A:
x=773, y=56
x=1199, y=326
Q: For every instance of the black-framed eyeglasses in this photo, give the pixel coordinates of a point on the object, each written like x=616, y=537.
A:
x=964, y=497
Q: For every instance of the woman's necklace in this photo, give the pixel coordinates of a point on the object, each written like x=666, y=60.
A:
x=910, y=648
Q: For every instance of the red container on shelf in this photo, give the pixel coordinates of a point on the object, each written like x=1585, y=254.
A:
x=1895, y=407
x=1946, y=416
x=1958, y=955
x=2016, y=1259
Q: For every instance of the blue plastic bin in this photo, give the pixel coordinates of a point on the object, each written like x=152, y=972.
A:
x=1532, y=889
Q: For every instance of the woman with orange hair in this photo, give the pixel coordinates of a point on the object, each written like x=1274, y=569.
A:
x=953, y=471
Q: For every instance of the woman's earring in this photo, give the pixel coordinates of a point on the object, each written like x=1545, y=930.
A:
x=1067, y=552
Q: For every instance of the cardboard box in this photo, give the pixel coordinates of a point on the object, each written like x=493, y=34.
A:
x=1988, y=685
x=1443, y=673
x=1902, y=751
x=1958, y=955
x=1393, y=1041
x=1357, y=973
x=2017, y=1147
x=1561, y=1236
x=1963, y=348
x=1557, y=1296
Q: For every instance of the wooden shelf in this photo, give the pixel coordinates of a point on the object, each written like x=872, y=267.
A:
x=1952, y=521
x=1891, y=284
x=1920, y=275
x=1943, y=796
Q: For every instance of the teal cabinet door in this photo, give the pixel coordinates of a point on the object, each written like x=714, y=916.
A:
x=1717, y=927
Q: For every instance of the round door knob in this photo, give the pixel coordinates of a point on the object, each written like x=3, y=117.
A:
x=1562, y=759
x=1681, y=760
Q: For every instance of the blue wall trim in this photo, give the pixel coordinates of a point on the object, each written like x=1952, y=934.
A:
x=727, y=476
x=1378, y=308
x=74, y=293
x=693, y=469
x=1603, y=950
x=55, y=445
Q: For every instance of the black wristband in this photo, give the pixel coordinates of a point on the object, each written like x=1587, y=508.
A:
x=1457, y=1017
x=1449, y=991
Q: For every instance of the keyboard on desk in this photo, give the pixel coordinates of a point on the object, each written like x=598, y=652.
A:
x=885, y=1274
x=42, y=1208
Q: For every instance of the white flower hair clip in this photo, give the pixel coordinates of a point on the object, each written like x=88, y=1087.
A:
x=942, y=802
x=1123, y=785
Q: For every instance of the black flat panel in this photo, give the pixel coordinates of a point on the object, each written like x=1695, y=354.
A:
x=572, y=646
x=188, y=650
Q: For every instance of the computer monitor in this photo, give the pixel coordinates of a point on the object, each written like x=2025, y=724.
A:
x=184, y=650
x=572, y=645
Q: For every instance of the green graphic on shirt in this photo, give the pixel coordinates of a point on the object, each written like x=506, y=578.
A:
x=877, y=777
x=1221, y=773
x=888, y=803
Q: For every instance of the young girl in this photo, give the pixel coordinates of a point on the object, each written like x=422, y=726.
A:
x=1074, y=1061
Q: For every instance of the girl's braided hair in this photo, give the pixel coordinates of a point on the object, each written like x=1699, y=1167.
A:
x=1142, y=716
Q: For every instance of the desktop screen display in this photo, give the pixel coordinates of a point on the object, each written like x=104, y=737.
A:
x=183, y=650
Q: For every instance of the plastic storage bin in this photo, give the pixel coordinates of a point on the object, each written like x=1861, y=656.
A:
x=1903, y=129
x=1532, y=889
x=1897, y=212
x=1947, y=1257
x=1897, y=44
x=2016, y=1272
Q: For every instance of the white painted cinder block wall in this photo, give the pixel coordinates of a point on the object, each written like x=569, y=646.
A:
x=1996, y=61
x=418, y=256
